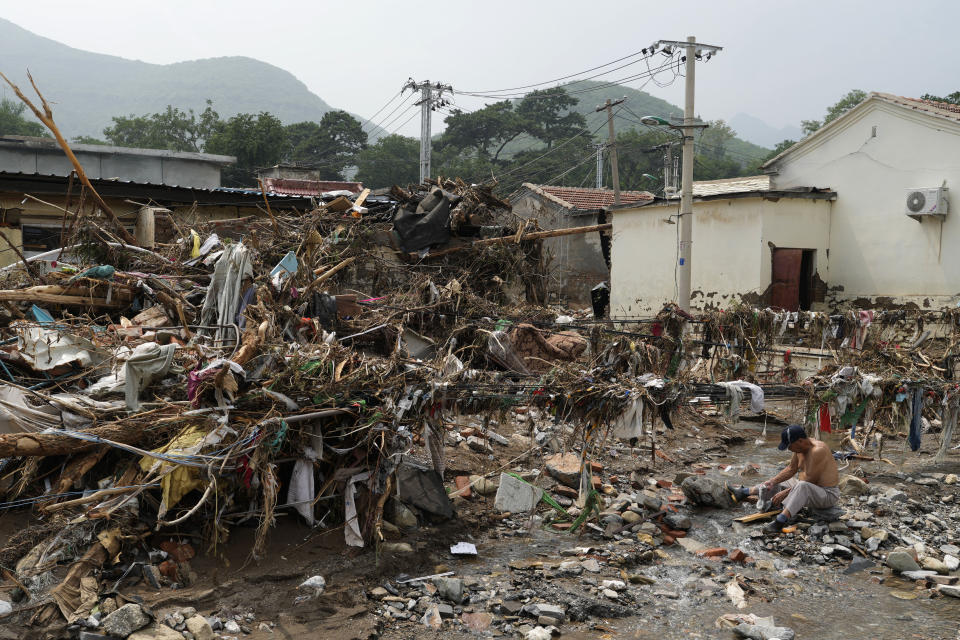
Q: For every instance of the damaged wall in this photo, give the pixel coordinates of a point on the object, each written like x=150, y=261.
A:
x=731, y=250
x=871, y=157
x=576, y=263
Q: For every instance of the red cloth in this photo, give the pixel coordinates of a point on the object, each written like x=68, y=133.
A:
x=825, y=418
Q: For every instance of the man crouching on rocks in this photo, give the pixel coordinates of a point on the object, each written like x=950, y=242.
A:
x=816, y=486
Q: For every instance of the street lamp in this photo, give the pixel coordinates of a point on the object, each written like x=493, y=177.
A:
x=656, y=121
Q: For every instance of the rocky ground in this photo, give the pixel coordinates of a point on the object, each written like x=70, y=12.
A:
x=657, y=562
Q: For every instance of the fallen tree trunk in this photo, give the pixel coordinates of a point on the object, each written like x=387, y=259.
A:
x=536, y=235
x=55, y=444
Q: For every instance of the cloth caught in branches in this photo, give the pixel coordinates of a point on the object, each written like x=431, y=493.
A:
x=224, y=295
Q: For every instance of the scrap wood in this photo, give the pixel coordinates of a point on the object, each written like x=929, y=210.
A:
x=56, y=444
x=755, y=517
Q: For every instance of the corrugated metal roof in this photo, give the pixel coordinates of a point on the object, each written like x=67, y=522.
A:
x=581, y=198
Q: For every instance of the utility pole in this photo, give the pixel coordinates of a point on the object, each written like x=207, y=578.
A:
x=693, y=52
x=599, y=147
x=613, y=146
x=431, y=96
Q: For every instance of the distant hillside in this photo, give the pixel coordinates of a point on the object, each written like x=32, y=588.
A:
x=642, y=104
x=756, y=130
x=87, y=89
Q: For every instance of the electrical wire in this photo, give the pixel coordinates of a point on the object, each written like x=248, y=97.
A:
x=395, y=109
x=370, y=119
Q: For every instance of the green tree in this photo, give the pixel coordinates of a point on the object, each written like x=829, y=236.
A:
x=88, y=140
x=331, y=146
x=256, y=140
x=172, y=129
x=952, y=98
x=493, y=126
x=394, y=159
x=715, y=139
x=547, y=116
x=13, y=123
x=834, y=111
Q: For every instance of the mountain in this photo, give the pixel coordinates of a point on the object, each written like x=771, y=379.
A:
x=757, y=131
x=86, y=89
x=592, y=93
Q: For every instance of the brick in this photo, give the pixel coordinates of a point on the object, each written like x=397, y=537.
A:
x=737, y=555
x=463, y=486
x=715, y=552
x=664, y=484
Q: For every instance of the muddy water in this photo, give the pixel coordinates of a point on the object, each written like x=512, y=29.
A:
x=819, y=603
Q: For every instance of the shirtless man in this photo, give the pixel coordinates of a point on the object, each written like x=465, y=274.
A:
x=816, y=487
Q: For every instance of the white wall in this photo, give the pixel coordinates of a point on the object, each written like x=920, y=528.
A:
x=731, y=255
x=876, y=251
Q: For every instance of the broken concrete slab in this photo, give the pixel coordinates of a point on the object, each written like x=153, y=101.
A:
x=565, y=467
x=515, y=495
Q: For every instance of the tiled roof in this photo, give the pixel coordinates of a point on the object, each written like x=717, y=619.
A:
x=292, y=187
x=745, y=184
x=945, y=109
x=580, y=198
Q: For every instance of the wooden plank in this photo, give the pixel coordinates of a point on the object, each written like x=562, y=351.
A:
x=756, y=517
x=79, y=301
x=537, y=235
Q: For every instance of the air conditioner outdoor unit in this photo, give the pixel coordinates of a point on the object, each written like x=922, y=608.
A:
x=923, y=203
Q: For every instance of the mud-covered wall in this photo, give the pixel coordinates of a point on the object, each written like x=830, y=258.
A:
x=731, y=251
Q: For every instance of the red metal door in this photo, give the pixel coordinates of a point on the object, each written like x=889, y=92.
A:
x=785, y=292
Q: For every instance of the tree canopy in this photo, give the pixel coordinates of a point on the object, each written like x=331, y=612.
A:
x=392, y=160
x=256, y=140
x=952, y=98
x=13, y=122
x=331, y=145
x=834, y=111
x=172, y=129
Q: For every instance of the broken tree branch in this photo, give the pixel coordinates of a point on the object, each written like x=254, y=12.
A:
x=46, y=117
x=537, y=235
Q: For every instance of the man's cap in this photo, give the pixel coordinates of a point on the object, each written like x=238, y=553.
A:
x=790, y=435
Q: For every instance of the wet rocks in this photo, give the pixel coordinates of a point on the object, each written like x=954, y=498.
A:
x=678, y=521
x=156, y=632
x=200, y=628
x=125, y=620
x=902, y=561
x=707, y=492
x=762, y=632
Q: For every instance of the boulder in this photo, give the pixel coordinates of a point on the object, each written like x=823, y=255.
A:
x=901, y=561
x=853, y=486
x=449, y=589
x=565, y=467
x=678, y=521
x=707, y=492
x=200, y=628
x=126, y=620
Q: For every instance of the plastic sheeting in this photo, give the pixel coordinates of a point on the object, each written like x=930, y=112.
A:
x=46, y=349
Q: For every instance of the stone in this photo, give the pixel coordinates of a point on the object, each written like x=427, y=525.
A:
x=610, y=593
x=707, y=492
x=591, y=565
x=515, y=495
x=838, y=526
x=542, y=609
x=156, y=632
x=484, y=486
x=918, y=575
x=691, y=545
x=200, y=628
x=949, y=590
x=449, y=589
x=853, y=486
x=894, y=495
x=565, y=467
x=539, y=633
x=479, y=445
x=950, y=549
x=477, y=621
x=932, y=564
x=462, y=484
x=951, y=478
x=431, y=617
x=126, y=620
x=631, y=517
x=901, y=561
x=951, y=562
x=616, y=585
x=231, y=626
x=678, y=521
x=403, y=517
x=314, y=584
x=396, y=547
x=446, y=611
x=758, y=632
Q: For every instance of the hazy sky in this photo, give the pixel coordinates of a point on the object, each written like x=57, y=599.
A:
x=783, y=61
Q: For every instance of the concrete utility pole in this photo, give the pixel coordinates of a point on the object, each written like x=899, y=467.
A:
x=599, y=147
x=431, y=96
x=613, y=146
x=693, y=51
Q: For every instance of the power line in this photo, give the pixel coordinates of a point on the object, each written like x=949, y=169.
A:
x=370, y=119
x=402, y=103
x=538, y=84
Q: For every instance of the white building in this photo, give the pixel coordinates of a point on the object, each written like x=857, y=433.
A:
x=828, y=224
